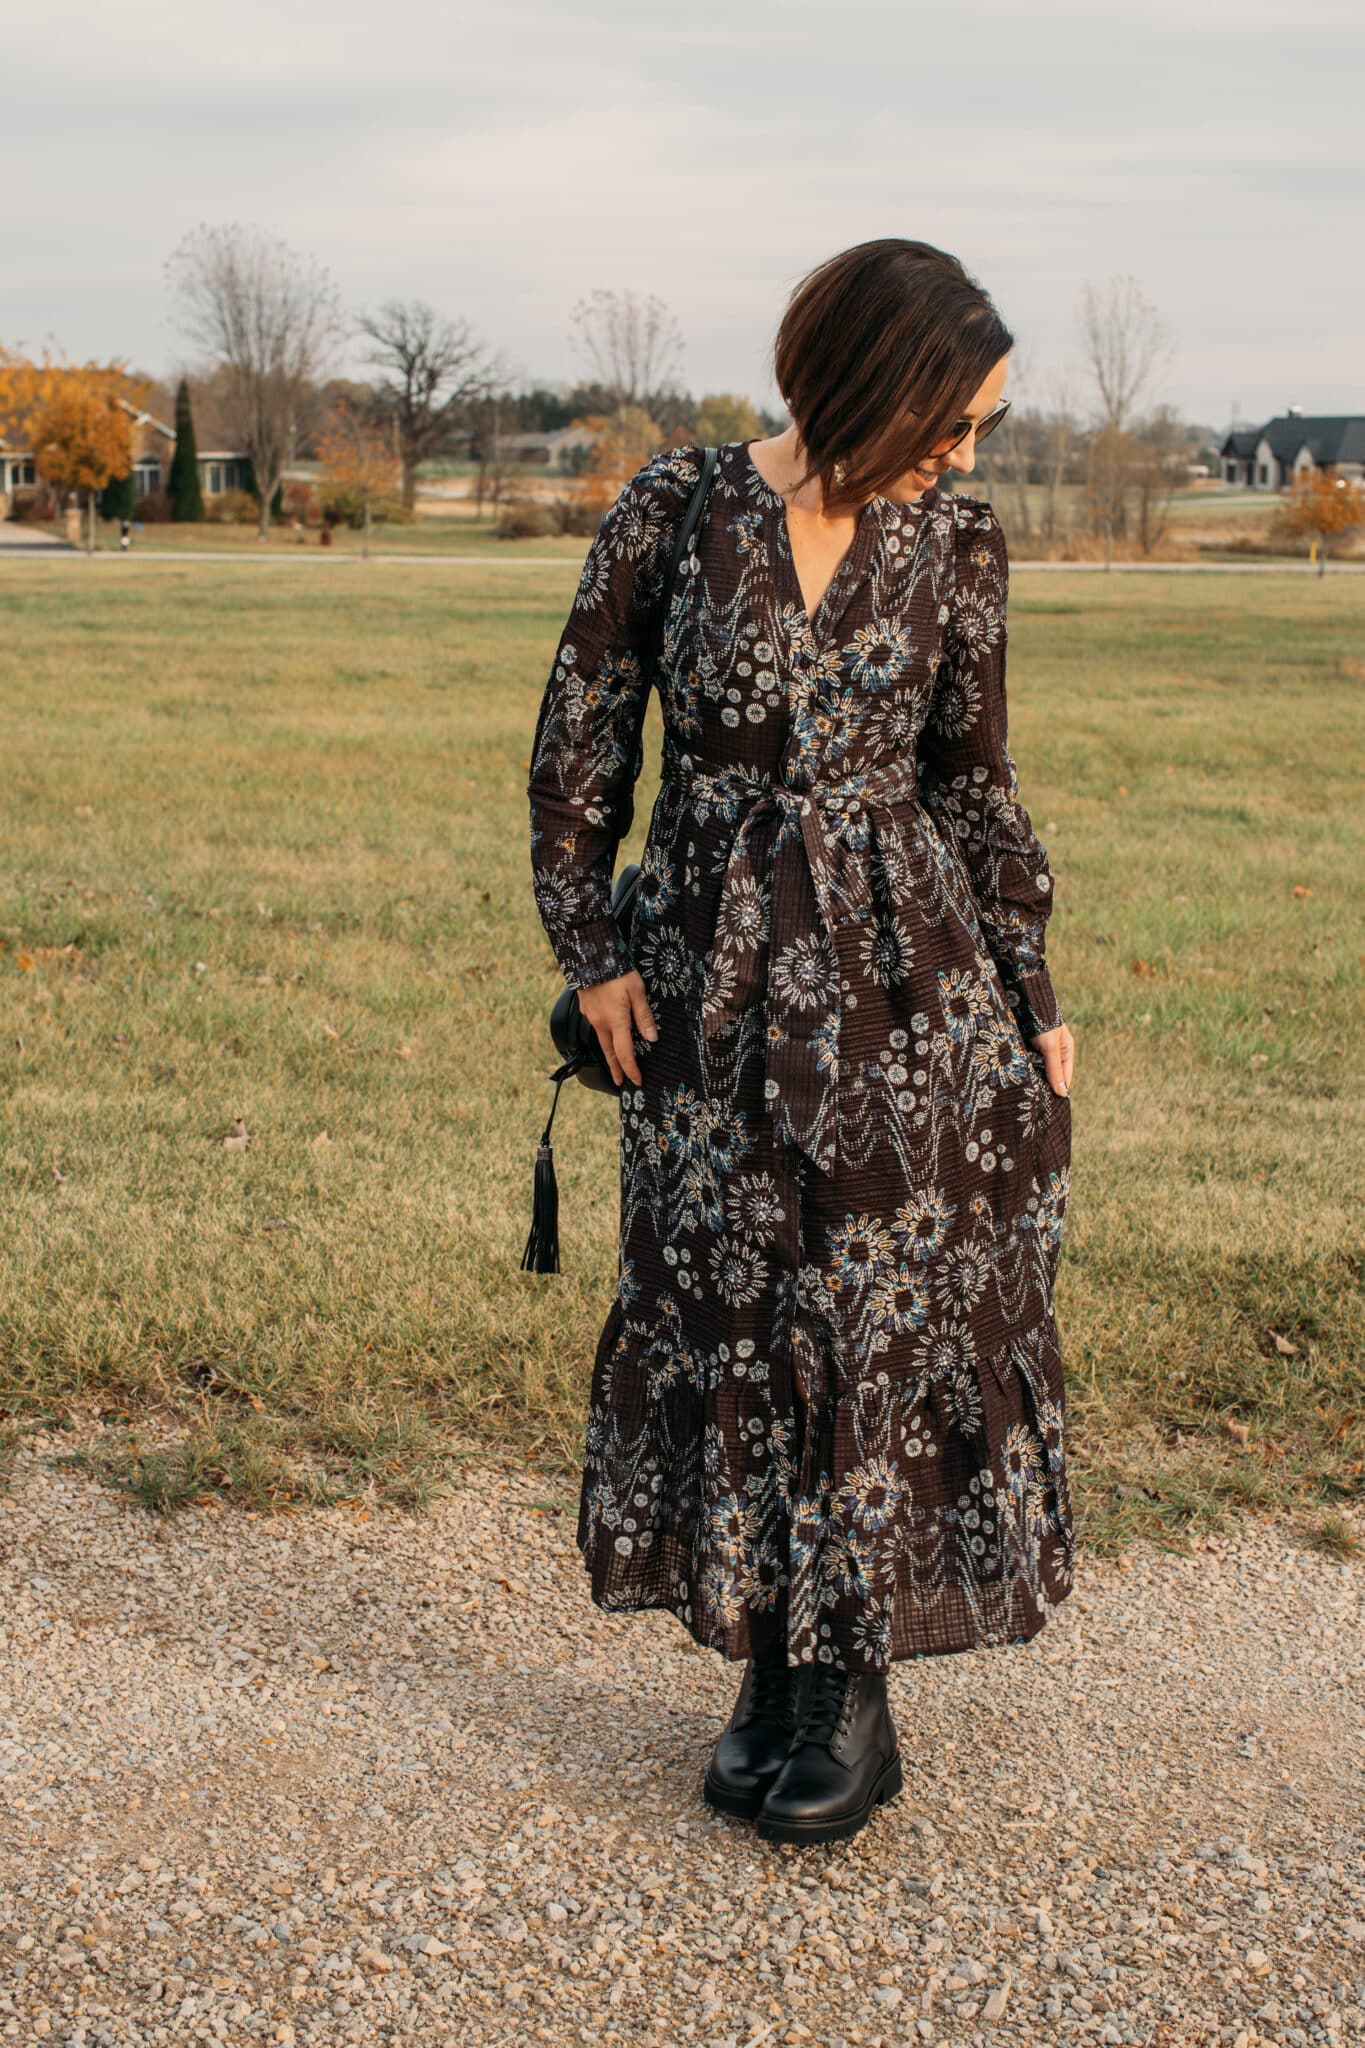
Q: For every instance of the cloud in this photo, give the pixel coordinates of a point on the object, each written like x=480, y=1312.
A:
x=501, y=160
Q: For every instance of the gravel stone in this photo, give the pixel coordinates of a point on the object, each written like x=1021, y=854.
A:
x=329, y=1778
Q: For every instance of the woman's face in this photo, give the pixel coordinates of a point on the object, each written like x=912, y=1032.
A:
x=983, y=400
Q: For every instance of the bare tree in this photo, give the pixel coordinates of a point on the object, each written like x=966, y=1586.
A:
x=1061, y=445
x=432, y=370
x=632, y=344
x=1124, y=340
x=271, y=319
x=1161, y=466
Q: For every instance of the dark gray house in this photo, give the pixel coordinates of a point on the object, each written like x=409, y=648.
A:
x=1269, y=458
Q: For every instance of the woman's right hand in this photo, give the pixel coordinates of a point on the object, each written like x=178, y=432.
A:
x=611, y=1007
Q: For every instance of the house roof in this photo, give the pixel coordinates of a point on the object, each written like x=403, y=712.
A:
x=212, y=432
x=1242, y=441
x=554, y=438
x=213, y=437
x=1328, y=437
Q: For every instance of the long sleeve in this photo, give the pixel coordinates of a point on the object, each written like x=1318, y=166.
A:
x=586, y=755
x=969, y=781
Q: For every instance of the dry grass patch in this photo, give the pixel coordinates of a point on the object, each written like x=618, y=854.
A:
x=274, y=999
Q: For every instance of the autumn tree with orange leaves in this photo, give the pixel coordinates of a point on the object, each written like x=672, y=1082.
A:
x=1327, y=507
x=78, y=419
x=362, y=469
x=625, y=439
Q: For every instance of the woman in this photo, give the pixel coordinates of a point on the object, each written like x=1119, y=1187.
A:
x=826, y=1412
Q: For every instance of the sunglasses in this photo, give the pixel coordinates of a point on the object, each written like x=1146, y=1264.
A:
x=987, y=424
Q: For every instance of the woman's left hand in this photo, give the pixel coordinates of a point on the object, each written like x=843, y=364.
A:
x=1058, y=1048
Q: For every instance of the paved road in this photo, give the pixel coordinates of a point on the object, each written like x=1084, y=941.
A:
x=313, y=558
x=335, y=1779
x=31, y=542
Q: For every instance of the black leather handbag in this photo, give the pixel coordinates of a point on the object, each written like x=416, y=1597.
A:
x=574, y=1038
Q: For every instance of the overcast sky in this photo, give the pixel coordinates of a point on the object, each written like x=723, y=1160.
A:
x=499, y=160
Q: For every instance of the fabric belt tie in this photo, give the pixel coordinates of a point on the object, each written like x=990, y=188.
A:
x=797, y=879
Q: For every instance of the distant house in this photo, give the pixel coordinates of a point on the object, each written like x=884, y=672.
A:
x=17, y=472
x=1269, y=458
x=557, y=450
x=223, y=468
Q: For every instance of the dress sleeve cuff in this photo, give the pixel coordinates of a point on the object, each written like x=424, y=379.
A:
x=1035, y=1004
x=593, y=952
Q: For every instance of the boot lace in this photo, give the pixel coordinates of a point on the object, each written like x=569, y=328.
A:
x=770, y=1695
x=825, y=1707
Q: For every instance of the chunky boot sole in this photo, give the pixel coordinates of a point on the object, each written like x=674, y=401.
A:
x=885, y=1787
x=725, y=1799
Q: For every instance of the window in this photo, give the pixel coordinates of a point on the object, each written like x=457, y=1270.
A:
x=146, y=478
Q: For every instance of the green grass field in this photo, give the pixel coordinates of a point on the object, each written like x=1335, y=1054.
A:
x=265, y=859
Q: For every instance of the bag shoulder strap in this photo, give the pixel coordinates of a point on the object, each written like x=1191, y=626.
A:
x=682, y=543
x=625, y=811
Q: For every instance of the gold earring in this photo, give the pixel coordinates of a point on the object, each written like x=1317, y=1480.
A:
x=840, y=473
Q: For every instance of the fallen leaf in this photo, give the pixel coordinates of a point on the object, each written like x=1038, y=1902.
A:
x=1283, y=1346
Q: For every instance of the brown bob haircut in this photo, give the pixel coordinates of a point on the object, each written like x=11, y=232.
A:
x=878, y=352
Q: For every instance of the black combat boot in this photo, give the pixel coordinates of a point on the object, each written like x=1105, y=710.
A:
x=844, y=1760
x=753, y=1745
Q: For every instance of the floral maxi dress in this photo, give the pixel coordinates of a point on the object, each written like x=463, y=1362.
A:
x=826, y=1410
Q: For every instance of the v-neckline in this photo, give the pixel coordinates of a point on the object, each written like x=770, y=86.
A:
x=855, y=557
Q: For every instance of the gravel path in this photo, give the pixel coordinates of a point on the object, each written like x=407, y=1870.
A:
x=334, y=1779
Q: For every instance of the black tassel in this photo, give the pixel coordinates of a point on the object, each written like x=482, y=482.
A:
x=542, y=1244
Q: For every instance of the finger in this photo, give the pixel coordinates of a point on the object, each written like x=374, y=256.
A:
x=603, y=1034
x=1052, y=1061
x=643, y=1014
x=603, y=1029
x=625, y=1050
